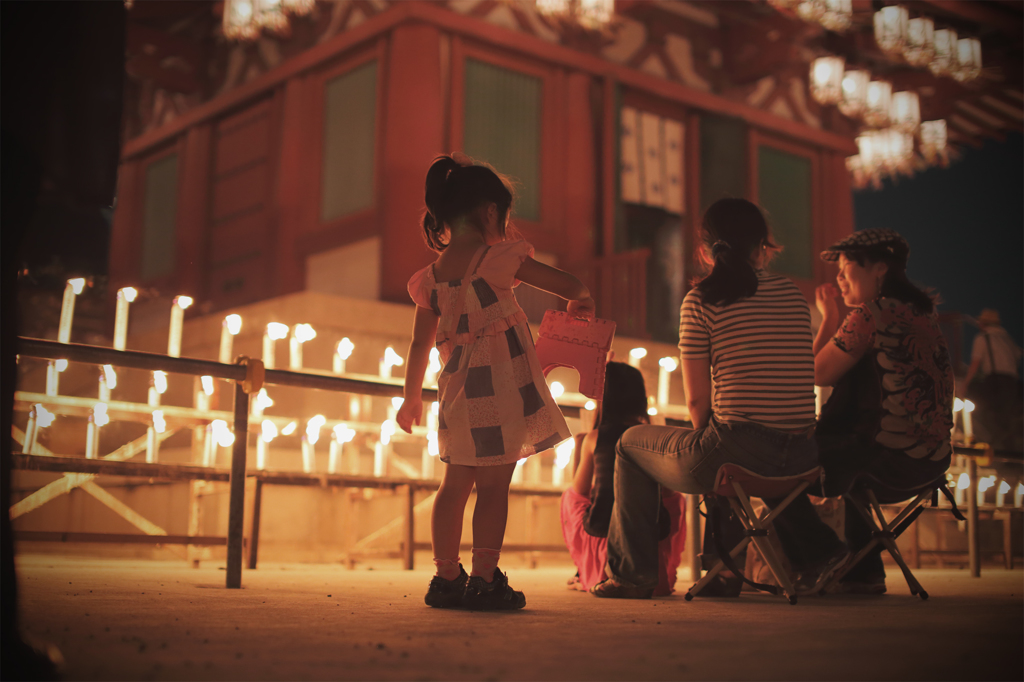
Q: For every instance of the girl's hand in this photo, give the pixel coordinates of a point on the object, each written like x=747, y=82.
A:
x=825, y=299
x=409, y=413
x=583, y=308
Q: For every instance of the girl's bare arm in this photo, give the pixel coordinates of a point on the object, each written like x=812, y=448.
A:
x=424, y=330
x=583, y=481
x=559, y=283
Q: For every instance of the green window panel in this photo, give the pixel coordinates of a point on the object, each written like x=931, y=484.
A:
x=723, y=159
x=350, y=109
x=502, y=127
x=159, y=218
x=784, y=192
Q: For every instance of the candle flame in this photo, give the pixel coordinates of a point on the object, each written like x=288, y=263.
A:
x=964, y=482
x=77, y=285
x=304, y=333
x=345, y=348
x=957, y=404
x=968, y=406
x=652, y=411
x=277, y=331
x=183, y=302
x=557, y=389
x=435, y=361
x=222, y=434
x=289, y=428
x=638, y=353
x=99, y=414
x=433, y=449
x=110, y=376
x=397, y=403
x=268, y=431
x=563, y=453
x=986, y=483
x=61, y=365
x=1004, y=488
x=128, y=293
x=669, y=364
x=387, y=429
x=263, y=401
x=590, y=406
x=313, y=428
x=43, y=416
x=207, y=383
x=343, y=434
x=234, y=324
x=159, y=424
x=160, y=381
x=435, y=407
x=392, y=358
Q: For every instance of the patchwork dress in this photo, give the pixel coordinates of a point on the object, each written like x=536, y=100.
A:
x=495, y=407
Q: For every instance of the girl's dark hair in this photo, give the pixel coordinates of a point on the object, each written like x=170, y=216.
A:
x=625, y=395
x=733, y=230
x=895, y=284
x=453, y=191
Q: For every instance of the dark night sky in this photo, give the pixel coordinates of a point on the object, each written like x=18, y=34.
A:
x=965, y=225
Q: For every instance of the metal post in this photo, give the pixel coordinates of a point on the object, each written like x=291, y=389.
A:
x=410, y=527
x=257, y=503
x=236, y=502
x=973, y=547
x=693, y=535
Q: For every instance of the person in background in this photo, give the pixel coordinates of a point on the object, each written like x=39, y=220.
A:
x=586, y=508
x=891, y=410
x=993, y=383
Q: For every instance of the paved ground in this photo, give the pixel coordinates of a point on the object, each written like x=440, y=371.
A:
x=131, y=620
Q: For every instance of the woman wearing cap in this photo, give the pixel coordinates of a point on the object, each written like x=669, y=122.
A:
x=891, y=409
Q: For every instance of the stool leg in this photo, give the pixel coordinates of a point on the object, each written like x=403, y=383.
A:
x=890, y=544
x=715, y=570
x=752, y=522
x=864, y=551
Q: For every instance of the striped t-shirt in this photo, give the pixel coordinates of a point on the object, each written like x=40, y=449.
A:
x=762, y=365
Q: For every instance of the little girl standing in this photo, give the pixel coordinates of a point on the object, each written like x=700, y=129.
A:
x=495, y=407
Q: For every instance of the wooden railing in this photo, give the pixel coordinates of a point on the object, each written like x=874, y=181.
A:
x=619, y=285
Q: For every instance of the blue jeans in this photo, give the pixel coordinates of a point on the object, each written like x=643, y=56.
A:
x=687, y=461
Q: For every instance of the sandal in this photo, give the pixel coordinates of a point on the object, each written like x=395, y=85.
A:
x=609, y=589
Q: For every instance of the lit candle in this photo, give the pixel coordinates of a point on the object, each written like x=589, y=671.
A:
x=177, y=322
x=228, y=331
x=38, y=418
x=962, y=484
x=342, y=434
x=204, y=393
x=636, y=355
x=517, y=474
x=354, y=404
x=159, y=426
x=209, y=453
x=390, y=359
x=430, y=452
x=67, y=309
x=968, y=422
x=108, y=381
x=301, y=333
x=262, y=402
x=125, y=297
x=563, y=455
x=381, y=450
x=222, y=437
x=157, y=387
x=666, y=366
x=1018, y=495
x=309, y=440
x=433, y=368
x=97, y=419
x=268, y=432
x=275, y=332
x=342, y=354
x=557, y=389
x=1001, y=491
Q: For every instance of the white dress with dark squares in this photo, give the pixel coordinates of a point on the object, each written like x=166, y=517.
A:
x=503, y=410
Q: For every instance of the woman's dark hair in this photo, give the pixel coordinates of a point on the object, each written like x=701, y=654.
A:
x=625, y=395
x=453, y=191
x=895, y=284
x=733, y=230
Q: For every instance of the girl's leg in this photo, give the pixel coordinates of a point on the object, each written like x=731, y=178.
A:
x=446, y=518
x=490, y=517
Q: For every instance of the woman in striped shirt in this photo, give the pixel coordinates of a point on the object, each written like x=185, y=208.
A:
x=747, y=333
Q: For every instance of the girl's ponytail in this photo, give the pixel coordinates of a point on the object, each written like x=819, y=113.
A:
x=453, y=190
x=436, y=199
x=733, y=231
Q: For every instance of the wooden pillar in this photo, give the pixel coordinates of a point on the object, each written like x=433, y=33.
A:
x=236, y=498
x=973, y=544
x=193, y=202
x=580, y=172
x=609, y=165
x=296, y=209
x=413, y=130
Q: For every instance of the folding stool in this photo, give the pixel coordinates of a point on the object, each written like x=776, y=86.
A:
x=738, y=485
x=864, y=497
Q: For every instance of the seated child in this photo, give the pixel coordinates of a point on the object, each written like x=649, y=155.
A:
x=587, y=504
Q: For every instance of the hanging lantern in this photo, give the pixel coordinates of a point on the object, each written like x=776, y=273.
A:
x=900, y=150
x=811, y=10
x=968, y=55
x=553, y=7
x=270, y=15
x=891, y=28
x=838, y=15
x=874, y=150
x=827, y=79
x=240, y=21
x=945, y=62
x=855, y=93
x=905, y=112
x=878, y=103
x=920, y=47
x=299, y=8
x=933, y=140
x=594, y=14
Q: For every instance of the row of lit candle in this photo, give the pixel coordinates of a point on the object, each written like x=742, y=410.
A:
x=985, y=483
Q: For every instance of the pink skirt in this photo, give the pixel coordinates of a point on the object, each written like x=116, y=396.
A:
x=590, y=554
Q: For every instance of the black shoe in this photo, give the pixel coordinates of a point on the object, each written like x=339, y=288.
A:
x=492, y=596
x=814, y=580
x=722, y=586
x=447, y=594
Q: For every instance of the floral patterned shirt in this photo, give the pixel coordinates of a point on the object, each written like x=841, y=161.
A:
x=914, y=372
